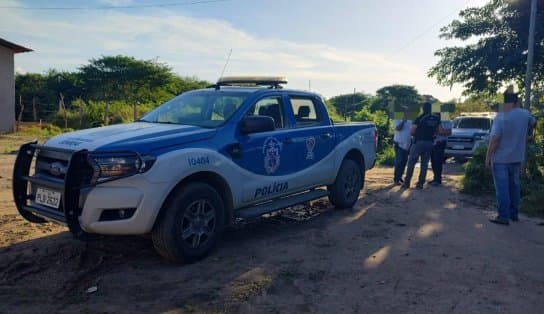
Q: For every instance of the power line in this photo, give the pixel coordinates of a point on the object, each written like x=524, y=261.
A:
x=429, y=28
x=112, y=7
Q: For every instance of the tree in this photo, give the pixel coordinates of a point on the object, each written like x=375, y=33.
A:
x=499, y=32
x=392, y=98
x=347, y=105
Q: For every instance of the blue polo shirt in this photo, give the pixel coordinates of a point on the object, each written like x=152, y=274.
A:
x=511, y=129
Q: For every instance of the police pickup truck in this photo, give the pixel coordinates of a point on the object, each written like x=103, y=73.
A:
x=239, y=149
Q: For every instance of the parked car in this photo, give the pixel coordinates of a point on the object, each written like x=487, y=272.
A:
x=470, y=131
x=240, y=149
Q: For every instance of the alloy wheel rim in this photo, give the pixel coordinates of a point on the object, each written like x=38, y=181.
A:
x=198, y=223
x=351, y=184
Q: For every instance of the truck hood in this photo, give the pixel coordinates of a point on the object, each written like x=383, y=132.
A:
x=468, y=132
x=142, y=137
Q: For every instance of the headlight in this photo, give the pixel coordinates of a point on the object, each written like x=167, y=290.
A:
x=481, y=137
x=110, y=166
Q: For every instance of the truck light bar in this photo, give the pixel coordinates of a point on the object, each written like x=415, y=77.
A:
x=272, y=81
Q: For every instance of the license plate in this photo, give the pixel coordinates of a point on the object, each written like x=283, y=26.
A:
x=458, y=147
x=47, y=198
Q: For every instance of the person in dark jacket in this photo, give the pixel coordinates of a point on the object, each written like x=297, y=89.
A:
x=423, y=129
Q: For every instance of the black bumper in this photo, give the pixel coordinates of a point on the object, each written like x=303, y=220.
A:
x=76, y=173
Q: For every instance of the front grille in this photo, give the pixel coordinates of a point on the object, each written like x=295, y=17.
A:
x=460, y=139
x=53, y=165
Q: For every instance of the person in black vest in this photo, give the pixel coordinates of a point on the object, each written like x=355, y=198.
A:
x=423, y=129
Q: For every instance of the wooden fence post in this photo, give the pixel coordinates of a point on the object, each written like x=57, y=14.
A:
x=106, y=113
x=34, y=110
x=81, y=115
x=22, y=106
x=61, y=105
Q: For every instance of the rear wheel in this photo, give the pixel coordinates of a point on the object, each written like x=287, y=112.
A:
x=191, y=223
x=344, y=192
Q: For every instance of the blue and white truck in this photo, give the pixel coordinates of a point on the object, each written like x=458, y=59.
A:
x=470, y=131
x=239, y=149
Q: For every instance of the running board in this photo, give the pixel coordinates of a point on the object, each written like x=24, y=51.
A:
x=272, y=206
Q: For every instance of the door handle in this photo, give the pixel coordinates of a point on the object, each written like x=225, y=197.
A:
x=235, y=150
x=326, y=136
x=288, y=140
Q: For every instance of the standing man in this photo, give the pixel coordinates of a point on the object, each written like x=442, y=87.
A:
x=437, y=154
x=423, y=129
x=402, y=140
x=505, y=154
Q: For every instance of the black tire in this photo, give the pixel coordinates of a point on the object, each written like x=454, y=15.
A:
x=344, y=192
x=191, y=223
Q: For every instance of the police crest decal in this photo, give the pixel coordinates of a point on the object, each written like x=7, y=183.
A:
x=271, y=150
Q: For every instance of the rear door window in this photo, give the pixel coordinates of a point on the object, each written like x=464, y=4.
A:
x=305, y=111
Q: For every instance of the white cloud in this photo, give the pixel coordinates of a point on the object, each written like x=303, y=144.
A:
x=116, y=3
x=197, y=46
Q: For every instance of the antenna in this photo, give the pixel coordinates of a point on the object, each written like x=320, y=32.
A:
x=226, y=63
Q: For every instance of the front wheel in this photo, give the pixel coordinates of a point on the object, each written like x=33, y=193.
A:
x=191, y=223
x=344, y=192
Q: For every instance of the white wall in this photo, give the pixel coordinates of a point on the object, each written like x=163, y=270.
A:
x=7, y=90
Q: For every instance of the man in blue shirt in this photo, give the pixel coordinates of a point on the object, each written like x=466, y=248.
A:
x=423, y=129
x=505, y=154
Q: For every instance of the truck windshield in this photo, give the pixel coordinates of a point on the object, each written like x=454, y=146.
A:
x=209, y=109
x=472, y=123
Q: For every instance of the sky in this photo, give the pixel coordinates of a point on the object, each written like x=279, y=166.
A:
x=329, y=47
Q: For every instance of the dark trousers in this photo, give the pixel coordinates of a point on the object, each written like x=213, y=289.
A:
x=437, y=160
x=421, y=149
x=401, y=158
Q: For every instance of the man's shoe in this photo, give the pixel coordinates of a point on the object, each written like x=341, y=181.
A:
x=397, y=183
x=436, y=183
x=406, y=185
x=499, y=221
x=419, y=186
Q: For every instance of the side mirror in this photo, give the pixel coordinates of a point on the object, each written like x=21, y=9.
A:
x=257, y=124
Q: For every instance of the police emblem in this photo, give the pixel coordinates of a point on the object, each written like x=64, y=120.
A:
x=271, y=150
x=310, y=145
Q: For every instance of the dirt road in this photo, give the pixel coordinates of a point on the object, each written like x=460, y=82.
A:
x=429, y=251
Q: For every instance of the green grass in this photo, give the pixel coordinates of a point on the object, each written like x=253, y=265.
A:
x=10, y=143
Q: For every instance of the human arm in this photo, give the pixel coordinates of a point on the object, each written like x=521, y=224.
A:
x=495, y=136
x=491, y=149
x=413, y=129
x=442, y=131
x=400, y=126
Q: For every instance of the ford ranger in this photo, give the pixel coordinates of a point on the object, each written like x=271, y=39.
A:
x=239, y=149
x=470, y=131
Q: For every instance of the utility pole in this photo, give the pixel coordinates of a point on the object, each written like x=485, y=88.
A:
x=530, y=56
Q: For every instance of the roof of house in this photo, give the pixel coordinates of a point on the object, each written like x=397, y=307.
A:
x=16, y=48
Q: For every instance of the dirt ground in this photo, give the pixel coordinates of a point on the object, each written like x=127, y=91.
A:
x=428, y=251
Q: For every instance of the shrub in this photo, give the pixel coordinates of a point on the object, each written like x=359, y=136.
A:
x=478, y=180
x=382, y=122
x=386, y=157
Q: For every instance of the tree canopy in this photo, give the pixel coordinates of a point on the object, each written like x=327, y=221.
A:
x=393, y=97
x=497, y=50
x=120, y=79
x=347, y=105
